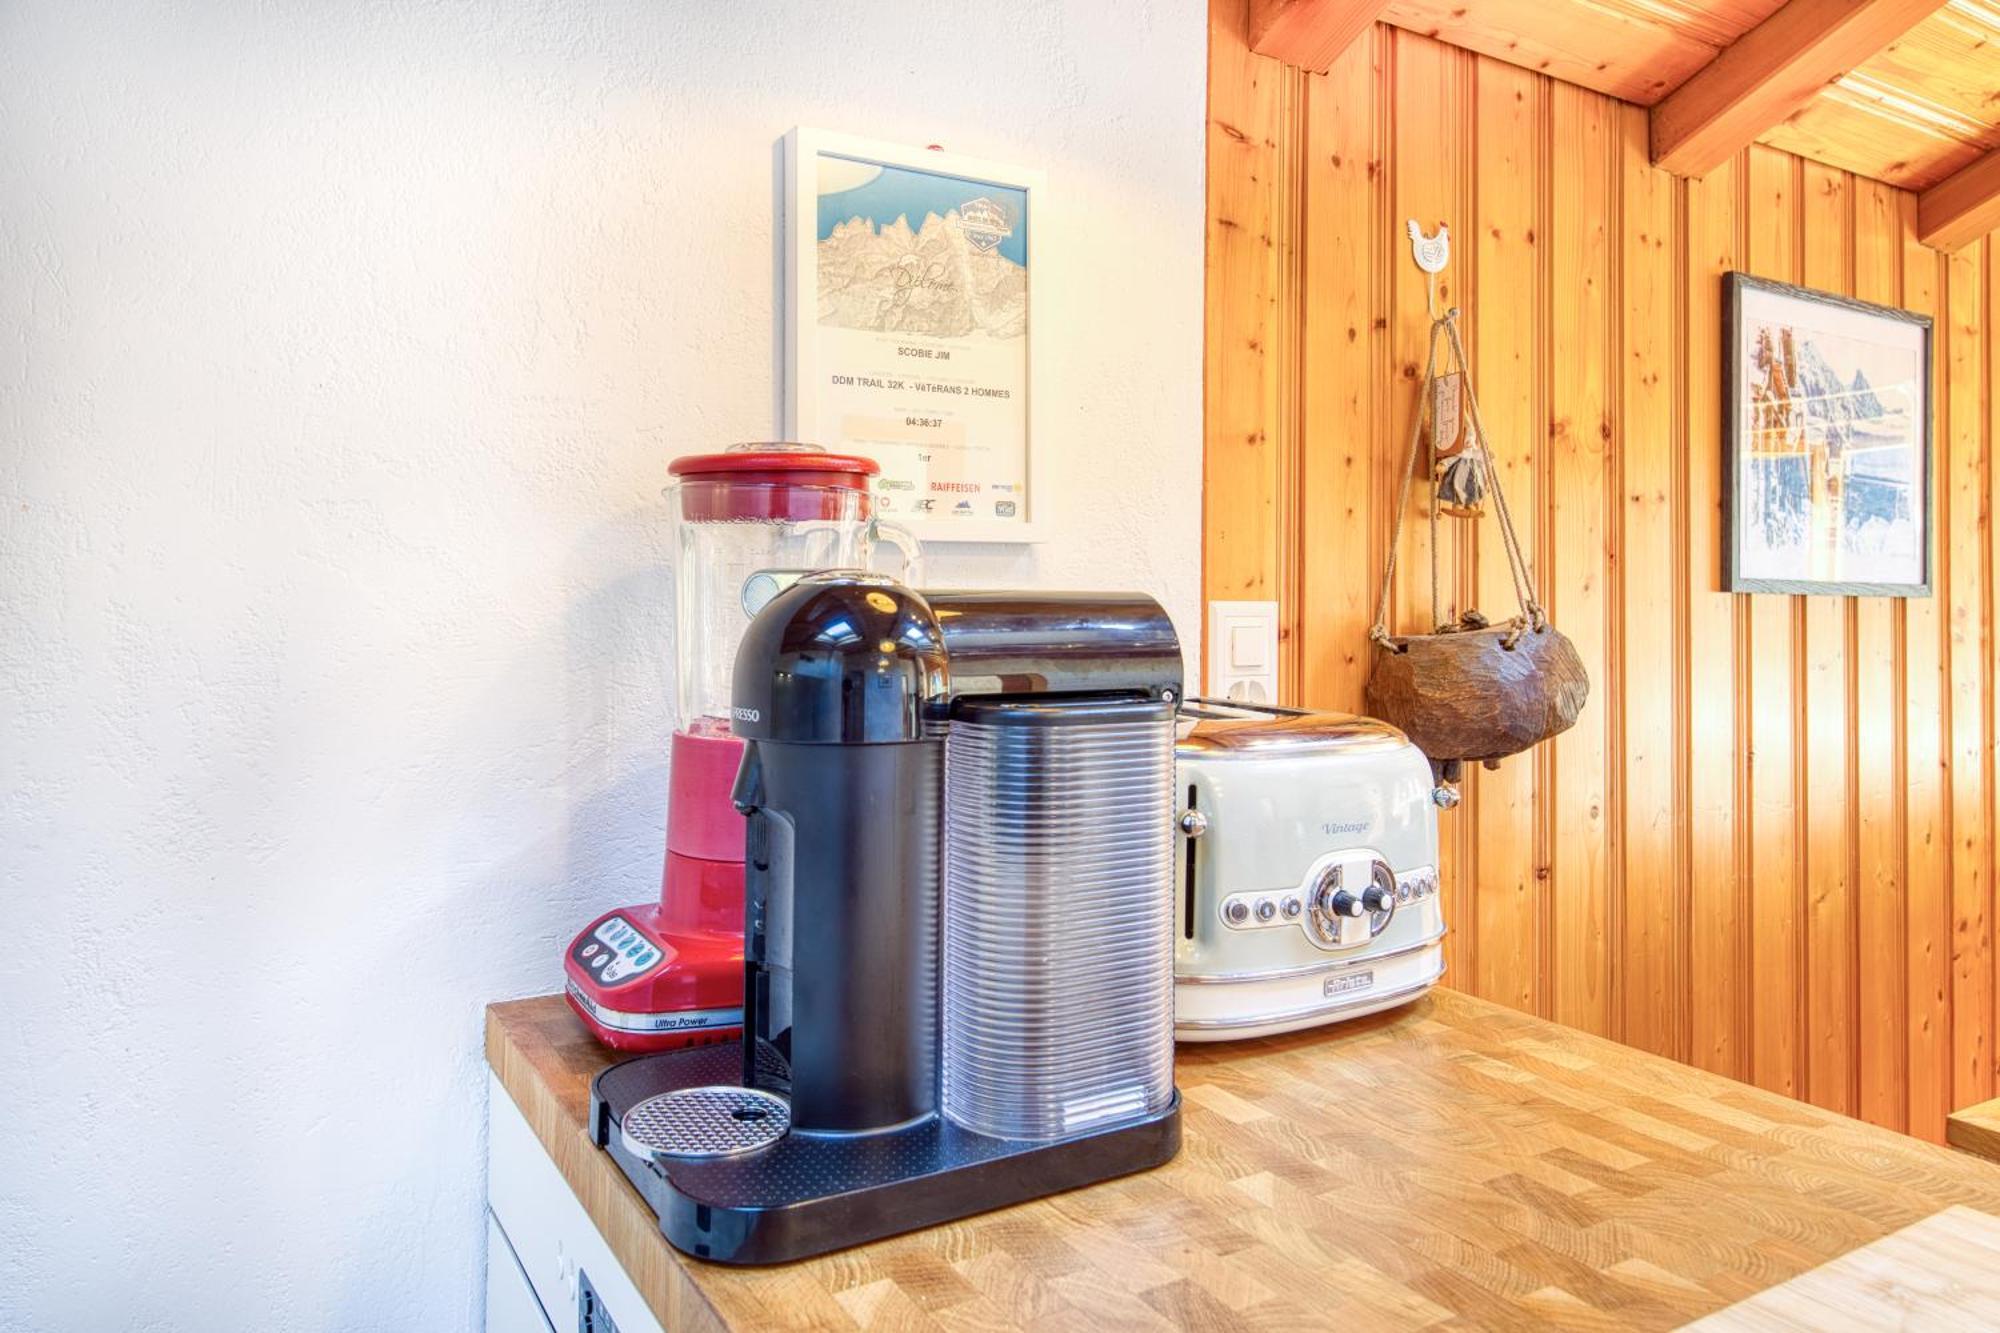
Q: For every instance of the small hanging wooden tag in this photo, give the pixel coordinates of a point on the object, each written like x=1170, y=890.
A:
x=1447, y=415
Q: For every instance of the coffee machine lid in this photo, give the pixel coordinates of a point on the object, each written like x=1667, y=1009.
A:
x=1044, y=642
x=840, y=658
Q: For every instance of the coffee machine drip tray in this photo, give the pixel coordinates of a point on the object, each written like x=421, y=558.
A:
x=700, y=1150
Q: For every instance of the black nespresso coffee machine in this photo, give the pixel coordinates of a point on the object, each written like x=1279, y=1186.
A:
x=959, y=951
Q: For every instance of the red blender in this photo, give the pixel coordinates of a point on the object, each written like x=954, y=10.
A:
x=747, y=523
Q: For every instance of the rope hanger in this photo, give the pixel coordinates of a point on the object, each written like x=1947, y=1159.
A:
x=1431, y=254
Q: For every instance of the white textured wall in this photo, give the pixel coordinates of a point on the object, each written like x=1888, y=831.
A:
x=342, y=349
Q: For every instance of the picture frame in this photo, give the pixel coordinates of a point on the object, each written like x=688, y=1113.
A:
x=913, y=340
x=1827, y=470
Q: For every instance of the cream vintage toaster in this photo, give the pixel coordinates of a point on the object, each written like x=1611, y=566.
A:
x=1306, y=867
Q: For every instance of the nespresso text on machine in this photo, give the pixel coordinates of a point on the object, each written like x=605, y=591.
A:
x=959, y=923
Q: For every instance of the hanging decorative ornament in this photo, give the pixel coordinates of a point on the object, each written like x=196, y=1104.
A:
x=1469, y=688
x=1460, y=488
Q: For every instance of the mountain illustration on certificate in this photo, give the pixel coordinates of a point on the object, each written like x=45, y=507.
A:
x=915, y=252
x=1831, y=468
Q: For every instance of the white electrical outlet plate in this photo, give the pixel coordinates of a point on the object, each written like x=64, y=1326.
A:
x=1243, y=652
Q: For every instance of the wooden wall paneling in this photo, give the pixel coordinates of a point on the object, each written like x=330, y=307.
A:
x=1289, y=217
x=1240, y=370
x=1827, y=866
x=1776, y=938
x=1432, y=144
x=1718, y=883
x=1582, y=166
x=1926, y=795
x=1877, y=774
x=1968, y=570
x=1507, y=232
x=1816, y=915
x=1649, y=604
x=1341, y=548
x=1991, y=382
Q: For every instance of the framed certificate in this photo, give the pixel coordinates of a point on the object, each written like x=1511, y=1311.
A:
x=909, y=307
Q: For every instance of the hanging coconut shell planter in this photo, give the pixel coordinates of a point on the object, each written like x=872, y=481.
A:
x=1470, y=689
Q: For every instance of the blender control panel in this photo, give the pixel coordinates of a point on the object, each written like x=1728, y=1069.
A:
x=616, y=951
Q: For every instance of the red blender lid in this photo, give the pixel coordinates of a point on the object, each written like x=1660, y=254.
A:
x=781, y=481
x=777, y=463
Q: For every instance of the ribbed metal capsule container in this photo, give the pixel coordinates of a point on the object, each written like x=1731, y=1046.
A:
x=1058, y=915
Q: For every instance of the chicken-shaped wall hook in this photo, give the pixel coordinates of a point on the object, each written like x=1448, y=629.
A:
x=1432, y=253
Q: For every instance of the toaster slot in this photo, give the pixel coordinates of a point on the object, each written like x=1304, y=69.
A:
x=1187, y=874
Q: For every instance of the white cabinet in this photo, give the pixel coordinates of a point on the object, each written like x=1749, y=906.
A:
x=542, y=1232
x=511, y=1304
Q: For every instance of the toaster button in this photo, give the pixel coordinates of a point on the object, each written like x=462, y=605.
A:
x=1236, y=912
x=1291, y=907
x=1266, y=910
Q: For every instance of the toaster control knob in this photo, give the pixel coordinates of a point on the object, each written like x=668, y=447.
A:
x=1339, y=902
x=1194, y=823
x=1236, y=912
x=1376, y=898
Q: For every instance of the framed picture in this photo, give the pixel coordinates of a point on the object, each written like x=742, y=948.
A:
x=1827, y=443
x=909, y=329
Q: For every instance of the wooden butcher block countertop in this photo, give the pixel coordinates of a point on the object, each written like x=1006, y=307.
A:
x=1454, y=1162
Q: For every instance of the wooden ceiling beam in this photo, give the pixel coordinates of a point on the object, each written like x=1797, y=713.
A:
x=1770, y=72
x=1963, y=206
x=1310, y=33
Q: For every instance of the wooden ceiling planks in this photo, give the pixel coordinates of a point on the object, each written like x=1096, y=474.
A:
x=1953, y=58
x=1769, y=73
x=1863, y=127
x=1632, y=50
x=1925, y=106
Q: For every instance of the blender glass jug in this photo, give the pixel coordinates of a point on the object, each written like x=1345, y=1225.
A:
x=747, y=523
